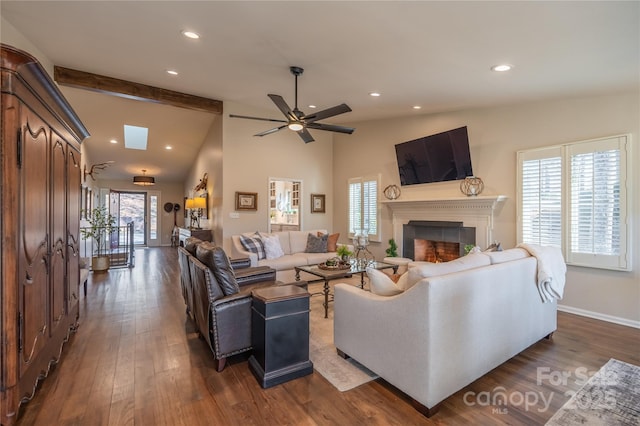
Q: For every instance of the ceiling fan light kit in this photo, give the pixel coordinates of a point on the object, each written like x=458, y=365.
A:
x=298, y=121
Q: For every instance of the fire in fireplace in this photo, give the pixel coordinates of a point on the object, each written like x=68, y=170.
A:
x=436, y=241
x=435, y=251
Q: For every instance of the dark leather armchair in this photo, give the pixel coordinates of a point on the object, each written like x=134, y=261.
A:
x=219, y=306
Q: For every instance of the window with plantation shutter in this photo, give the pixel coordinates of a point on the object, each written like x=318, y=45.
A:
x=541, y=199
x=574, y=196
x=363, y=206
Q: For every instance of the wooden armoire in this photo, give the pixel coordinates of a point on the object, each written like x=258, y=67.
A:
x=40, y=195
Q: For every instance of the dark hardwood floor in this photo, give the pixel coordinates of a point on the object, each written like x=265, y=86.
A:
x=136, y=359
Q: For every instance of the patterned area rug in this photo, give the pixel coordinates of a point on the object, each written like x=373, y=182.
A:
x=342, y=373
x=610, y=397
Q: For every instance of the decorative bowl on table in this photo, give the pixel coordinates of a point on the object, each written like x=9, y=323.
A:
x=335, y=263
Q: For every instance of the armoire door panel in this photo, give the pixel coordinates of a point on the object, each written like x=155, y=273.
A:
x=73, y=225
x=58, y=231
x=34, y=239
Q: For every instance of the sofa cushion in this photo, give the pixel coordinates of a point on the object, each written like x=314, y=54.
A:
x=272, y=247
x=285, y=262
x=332, y=240
x=426, y=270
x=316, y=244
x=254, y=245
x=218, y=262
x=190, y=245
x=315, y=258
x=507, y=255
x=298, y=241
x=381, y=283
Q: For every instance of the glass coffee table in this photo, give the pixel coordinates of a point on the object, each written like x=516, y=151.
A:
x=327, y=275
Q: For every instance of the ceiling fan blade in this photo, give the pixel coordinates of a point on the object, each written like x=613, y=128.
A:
x=268, y=132
x=331, y=128
x=305, y=135
x=257, y=118
x=329, y=112
x=282, y=106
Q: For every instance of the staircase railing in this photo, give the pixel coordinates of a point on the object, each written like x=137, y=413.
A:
x=120, y=248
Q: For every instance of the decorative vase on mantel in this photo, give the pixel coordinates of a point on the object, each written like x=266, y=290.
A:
x=471, y=186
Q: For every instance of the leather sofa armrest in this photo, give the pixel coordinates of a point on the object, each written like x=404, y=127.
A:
x=254, y=274
x=240, y=262
x=230, y=324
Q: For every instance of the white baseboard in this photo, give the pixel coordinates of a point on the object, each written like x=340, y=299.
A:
x=599, y=316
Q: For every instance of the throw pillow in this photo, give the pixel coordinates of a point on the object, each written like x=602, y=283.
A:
x=381, y=284
x=316, y=244
x=405, y=281
x=254, y=245
x=332, y=241
x=272, y=248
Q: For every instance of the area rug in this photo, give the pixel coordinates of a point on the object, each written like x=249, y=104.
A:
x=342, y=373
x=610, y=397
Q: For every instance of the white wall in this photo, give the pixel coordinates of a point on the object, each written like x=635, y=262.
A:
x=250, y=161
x=209, y=161
x=495, y=135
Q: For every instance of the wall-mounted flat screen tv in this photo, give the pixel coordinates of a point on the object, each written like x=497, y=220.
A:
x=436, y=158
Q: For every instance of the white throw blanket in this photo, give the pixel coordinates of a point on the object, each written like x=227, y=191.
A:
x=551, y=270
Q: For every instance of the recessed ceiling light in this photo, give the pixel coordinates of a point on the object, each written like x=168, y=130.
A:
x=168, y=147
x=172, y=72
x=113, y=141
x=312, y=106
x=191, y=34
x=501, y=68
x=374, y=94
x=417, y=107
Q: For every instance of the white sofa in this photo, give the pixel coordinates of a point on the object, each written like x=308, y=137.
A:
x=445, y=331
x=293, y=245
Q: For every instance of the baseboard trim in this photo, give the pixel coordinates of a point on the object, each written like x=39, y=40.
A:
x=599, y=316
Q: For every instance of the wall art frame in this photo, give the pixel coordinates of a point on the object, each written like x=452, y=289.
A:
x=318, y=203
x=246, y=201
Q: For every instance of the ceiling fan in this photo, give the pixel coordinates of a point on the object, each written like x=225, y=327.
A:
x=297, y=120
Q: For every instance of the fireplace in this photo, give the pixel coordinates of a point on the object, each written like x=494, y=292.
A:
x=436, y=241
x=476, y=213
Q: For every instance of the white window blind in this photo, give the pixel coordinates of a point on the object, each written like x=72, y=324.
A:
x=363, y=206
x=574, y=196
x=542, y=199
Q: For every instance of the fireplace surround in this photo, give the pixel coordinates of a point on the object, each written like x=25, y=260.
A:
x=473, y=212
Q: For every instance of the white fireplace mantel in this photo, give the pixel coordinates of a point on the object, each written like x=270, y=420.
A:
x=476, y=211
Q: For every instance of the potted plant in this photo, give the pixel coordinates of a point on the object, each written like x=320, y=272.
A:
x=344, y=252
x=101, y=223
x=392, y=251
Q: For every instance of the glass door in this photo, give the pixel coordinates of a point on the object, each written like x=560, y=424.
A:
x=128, y=207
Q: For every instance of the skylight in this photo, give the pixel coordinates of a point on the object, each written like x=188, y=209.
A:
x=135, y=137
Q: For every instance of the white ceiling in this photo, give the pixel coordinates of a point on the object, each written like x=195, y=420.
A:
x=433, y=54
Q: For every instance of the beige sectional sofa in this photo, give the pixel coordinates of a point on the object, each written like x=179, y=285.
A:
x=293, y=244
x=445, y=331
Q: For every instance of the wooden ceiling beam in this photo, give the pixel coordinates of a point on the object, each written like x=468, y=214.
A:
x=131, y=90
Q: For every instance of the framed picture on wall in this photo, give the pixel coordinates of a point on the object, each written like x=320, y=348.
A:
x=246, y=201
x=317, y=203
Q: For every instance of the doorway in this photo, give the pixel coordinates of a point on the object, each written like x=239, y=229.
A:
x=127, y=207
x=285, y=206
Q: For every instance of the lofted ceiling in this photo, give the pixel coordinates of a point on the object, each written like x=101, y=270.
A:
x=436, y=55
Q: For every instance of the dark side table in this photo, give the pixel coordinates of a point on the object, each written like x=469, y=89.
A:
x=280, y=334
